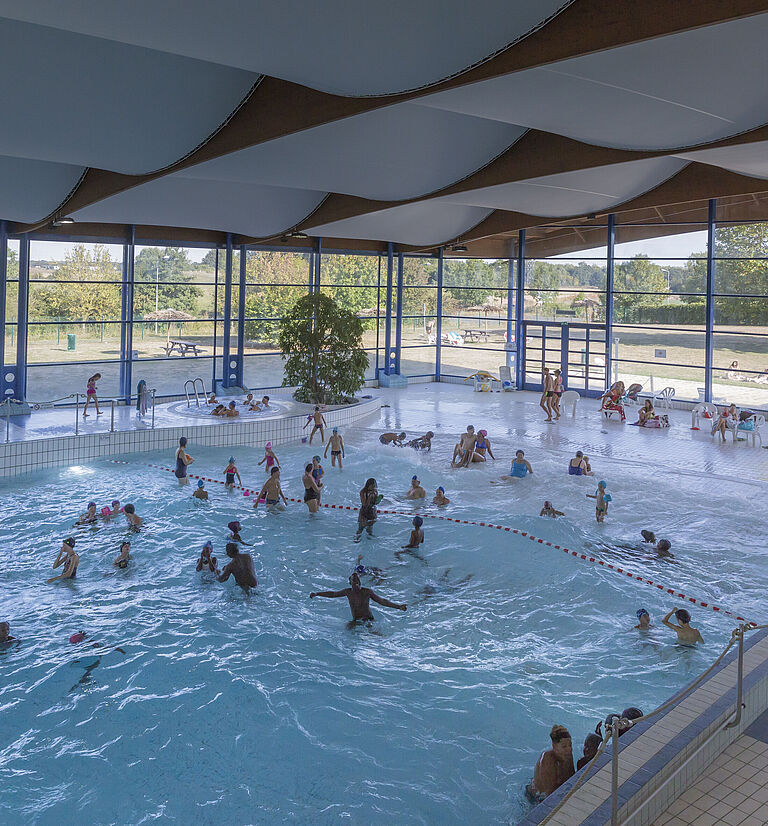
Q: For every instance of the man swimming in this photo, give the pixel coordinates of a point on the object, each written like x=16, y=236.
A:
x=241, y=568
x=271, y=492
x=359, y=599
x=686, y=635
x=68, y=558
x=392, y=438
x=336, y=444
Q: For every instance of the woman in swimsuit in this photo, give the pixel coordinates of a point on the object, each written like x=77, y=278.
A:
x=482, y=444
x=612, y=399
x=521, y=467
x=311, y=490
x=90, y=394
x=577, y=465
x=182, y=460
x=557, y=391
x=369, y=498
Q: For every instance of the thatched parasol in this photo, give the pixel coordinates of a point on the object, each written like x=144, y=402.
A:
x=169, y=314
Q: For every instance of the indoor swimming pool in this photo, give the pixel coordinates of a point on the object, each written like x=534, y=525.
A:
x=268, y=708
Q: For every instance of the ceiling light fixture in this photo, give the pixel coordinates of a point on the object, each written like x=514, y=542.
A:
x=459, y=248
x=60, y=222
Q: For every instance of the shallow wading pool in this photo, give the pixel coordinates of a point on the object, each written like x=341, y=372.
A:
x=269, y=708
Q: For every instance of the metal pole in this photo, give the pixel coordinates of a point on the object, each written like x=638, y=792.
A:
x=154, y=390
x=3, y=292
x=439, y=324
x=388, y=322
x=22, y=318
x=399, y=314
x=112, y=418
x=77, y=414
x=710, y=301
x=7, y=420
x=225, y=380
x=739, y=681
x=519, y=312
x=615, y=773
x=609, y=272
x=241, y=317
x=510, y=333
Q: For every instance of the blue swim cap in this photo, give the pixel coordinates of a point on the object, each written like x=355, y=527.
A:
x=231, y=460
x=335, y=429
x=441, y=489
x=418, y=521
x=315, y=458
x=93, y=504
x=414, y=478
x=200, y=483
x=360, y=569
x=601, y=484
x=640, y=612
x=208, y=544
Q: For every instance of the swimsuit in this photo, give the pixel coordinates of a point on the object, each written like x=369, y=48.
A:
x=230, y=480
x=335, y=453
x=310, y=494
x=483, y=445
x=575, y=470
x=273, y=501
x=317, y=474
x=518, y=470
x=181, y=468
x=270, y=461
x=91, y=391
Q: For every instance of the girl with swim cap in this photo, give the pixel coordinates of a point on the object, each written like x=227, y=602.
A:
x=643, y=620
x=269, y=458
x=229, y=475
x=125, y=555
x=235, y=527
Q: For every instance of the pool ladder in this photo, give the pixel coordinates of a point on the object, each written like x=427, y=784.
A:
x=194, y=382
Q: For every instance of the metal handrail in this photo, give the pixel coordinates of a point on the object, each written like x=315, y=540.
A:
x=202, y=385
x=194, y=382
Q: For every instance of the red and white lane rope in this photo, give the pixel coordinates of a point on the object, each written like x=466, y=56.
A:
x=248, y=492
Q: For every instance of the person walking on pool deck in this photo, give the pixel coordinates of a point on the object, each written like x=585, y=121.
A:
x=271, y=491
x=68, y=558
x=336, y=444
x=359, y=599
x=553, y=767
x=601, y=505
x=319, y=424
x=548, y=385
x=686, y=634
x=311, y=489
x=90, y=394
x=241, y=568
x=183, y=459
x=557, y=392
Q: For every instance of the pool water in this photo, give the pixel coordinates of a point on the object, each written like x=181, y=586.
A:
x=268, y=708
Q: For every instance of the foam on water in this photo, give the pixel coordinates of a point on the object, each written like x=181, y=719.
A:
x=268, y=708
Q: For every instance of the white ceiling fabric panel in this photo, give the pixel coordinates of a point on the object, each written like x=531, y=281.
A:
x=420, y=224
x=248, y=209
x=574, y=193
x=83, y=100
x=338, y=46
x=31, y=190
x=670, y=92
x=390, y=154
x=748, y=159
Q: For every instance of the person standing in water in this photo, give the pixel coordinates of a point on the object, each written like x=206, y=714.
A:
x=207, y=562
x=336, y=444
x=417, y=534
x=90, y=394
x=359, y=599
x=416, y=491
x=603, y=499
x=68, y=558
x=229, y=475
x=271, y=491
x=554, y=766
x=367, y=515
x=183, y=459
x=318, y=424
x=318, y=473
x=269, y=458
x=311, y=490
x=686, y=634
x=643, y=620
x=241, y=568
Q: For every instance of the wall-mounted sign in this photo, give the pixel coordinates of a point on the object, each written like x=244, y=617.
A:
x=660, y=354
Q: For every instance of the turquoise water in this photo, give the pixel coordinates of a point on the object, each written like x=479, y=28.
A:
x=269, y=709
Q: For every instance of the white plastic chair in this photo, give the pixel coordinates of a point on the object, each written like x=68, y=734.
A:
x=570, y=397
x=698, y=413
x=745, y=435
x=505, y=374
x=663, y=397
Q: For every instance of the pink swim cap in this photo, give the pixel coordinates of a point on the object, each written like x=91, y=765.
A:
x=75, y=638
x=268, y=446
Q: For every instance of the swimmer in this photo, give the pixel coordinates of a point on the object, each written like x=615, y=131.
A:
x=200, y=492
x=108, y=513
x=311, y=490
x=444, y=584
x=271, y=492
x=317, y=474
x=392, y=439
x=125, y=555
x=234, y=528
x=422, y=442
x=230, y=471
x=206, y=562
x=440, y=498
x=265, y=401
x=416, y=491
x=549, y=510
x=366, y=570
x=89, y=516
x=648, y=536
x=68, y=558
x=249, y=400
x=183, y=460
x=219, y=410
x=359, y=599
x=686, y=634
x=521, y=467
x=577, y=466
x=417, y=534
x=553, y=767
x=482, y=445
x=662, y=549
x=269, y=458
x=591, y=745
x=211, y=399
x=318, y=424
x=465, y=449
x=5, y=633
x=643, y=620
x=231, y=411
x=336, y=444
x=367, y=515
x=134, y=521
x=241, y=568
x=603, y=499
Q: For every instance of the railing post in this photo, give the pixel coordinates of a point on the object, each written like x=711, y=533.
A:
x=112, y=418
x=739, y=680
x=154, y=390
x=7, y=420
x=77, y=414
x=615, y=773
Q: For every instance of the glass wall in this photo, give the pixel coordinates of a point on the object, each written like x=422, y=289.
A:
x=419, y=316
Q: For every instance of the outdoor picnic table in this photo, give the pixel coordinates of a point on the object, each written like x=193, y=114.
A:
x=474, y=334
x=183, y=347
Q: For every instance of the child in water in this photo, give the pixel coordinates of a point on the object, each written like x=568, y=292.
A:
x=206, y=561
x=417, y=534
x=235, y=527
x=601, y=505
x=643, y=620
x=440, y=497
x=549, y=510
x=200, y=492
x=229, y=475
x=269, y=458
x=125, y=555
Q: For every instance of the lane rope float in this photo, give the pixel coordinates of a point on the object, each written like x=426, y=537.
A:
x=249, y=493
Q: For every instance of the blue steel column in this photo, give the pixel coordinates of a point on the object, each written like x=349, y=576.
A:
x=510, y=334
x=311, y=274
x=241, y=319
x=388, y=316
x=710, y=305
x=20, y=390
x=609, y=261
x=215, y=321
x=399, y=316
x=519, y=310
x=3, y=290
x=439, y=325
x=226, y=339
x=126, y=316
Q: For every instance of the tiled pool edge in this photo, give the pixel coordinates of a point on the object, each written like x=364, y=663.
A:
x=24, y=457
x=639, y=779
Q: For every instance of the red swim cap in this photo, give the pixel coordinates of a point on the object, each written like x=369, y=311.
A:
x=75, y=638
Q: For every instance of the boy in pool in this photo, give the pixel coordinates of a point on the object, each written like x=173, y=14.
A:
x=318, y=424
x=392, y=439
x=134, y=521
x=662, y=549
x=317, y=475
x=686, y=634
x=422, y=442
x=212, y=399
x=366, y=570
x=359, y=599
x=219, y=410
x=553, y=767
x=265, y=402
x=249, y=402
x=464, y=451
x=416, y=491
x=230, y=471
x=125, y=555
x=68, y=558
x=440, y=497
x=601, y=505
x=200, y=492
x=5, y=633
x=591, y=745
x=241, y=568
x=643, y=620
x=417, y=534
x=206, y=561
x=549, y=510
x=271, y=492
x=89, y=516
x=231, y=412
x=336, y=444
